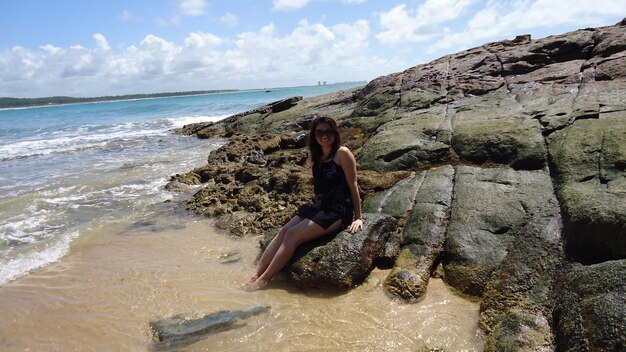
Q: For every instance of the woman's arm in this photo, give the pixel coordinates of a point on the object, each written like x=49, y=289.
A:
x=347, y=162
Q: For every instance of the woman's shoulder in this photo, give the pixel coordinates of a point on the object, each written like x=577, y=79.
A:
x=343, y=150
x=343, y=153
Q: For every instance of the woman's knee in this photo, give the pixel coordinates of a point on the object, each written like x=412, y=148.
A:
x=280, y=236
x=291, y=238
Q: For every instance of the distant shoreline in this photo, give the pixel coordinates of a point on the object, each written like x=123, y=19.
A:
x=26, y=103
x=9, y=103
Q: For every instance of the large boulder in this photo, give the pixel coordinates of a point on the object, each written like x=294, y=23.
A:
x=503, y=244
x=345, y=260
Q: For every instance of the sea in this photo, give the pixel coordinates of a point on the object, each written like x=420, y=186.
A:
x=93, y=247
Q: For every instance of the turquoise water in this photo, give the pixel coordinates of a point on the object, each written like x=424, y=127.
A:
x=66, y=171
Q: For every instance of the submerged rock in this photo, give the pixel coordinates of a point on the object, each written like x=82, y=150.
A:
x=179, y=330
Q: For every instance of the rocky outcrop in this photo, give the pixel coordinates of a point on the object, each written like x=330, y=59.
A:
x=504, y=163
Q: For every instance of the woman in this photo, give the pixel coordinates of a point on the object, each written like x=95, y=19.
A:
x=336, y=199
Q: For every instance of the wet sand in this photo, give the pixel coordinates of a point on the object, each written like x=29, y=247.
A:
x=101, y=296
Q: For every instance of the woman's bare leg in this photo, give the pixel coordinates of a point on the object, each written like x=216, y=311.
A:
x=271, y=249
x=304, y=231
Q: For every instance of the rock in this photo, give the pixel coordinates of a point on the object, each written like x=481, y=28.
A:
x=589, y=161
x=591, y=310
x=378, y=96
x=391, y=252
x=423, y=236
x=178, y=330
x=397, y=200
x=409, y=277
x=372, y=181
x=407, y=143
x=518, y=331
x=506, y=141
x=490, y=208
x=345, y=260
x=517, y=303
x=496, y=129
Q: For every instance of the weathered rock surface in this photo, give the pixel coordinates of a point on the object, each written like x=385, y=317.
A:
x=589, y=162
x=490, y=209
x=343, y=261
x=423, y=235
x=591, y=309
x=473, y=158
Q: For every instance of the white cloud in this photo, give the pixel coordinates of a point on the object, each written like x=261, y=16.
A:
x=499, y=20
x=265, y=58
x=229, y=19
x=193, y=8
x=289, y=4
x=201, y=40
x=402, y=25
x=101, y=41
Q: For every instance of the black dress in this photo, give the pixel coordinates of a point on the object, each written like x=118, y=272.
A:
x=332, y=196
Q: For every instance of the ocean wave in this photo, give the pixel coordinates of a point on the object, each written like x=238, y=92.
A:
x=43, y=232
x=50, y=251
x=58, y=144
x=178, y=122
x=99, y=136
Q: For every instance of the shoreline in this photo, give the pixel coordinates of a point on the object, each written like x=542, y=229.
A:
x=114, y=100
x=217, y=92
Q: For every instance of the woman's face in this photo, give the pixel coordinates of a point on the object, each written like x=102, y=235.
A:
x=324, y=134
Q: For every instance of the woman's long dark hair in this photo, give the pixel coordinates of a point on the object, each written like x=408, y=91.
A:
x=315, y=149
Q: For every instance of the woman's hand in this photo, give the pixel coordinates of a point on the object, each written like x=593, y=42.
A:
x=355, y=226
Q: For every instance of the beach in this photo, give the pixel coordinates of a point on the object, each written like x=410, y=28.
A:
x=101, y=296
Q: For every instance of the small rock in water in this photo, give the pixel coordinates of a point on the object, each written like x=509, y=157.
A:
x=231, y=261
x=227, y=255
x=177, y=330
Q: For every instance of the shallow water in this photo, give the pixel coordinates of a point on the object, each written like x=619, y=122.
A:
x=101, y=296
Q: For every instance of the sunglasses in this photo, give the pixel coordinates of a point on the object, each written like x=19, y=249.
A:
x=327, y=132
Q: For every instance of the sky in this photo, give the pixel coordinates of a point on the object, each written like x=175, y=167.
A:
x=87, y=48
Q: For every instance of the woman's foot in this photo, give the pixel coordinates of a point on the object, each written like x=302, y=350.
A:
x=252, y=279
x=255, y=286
